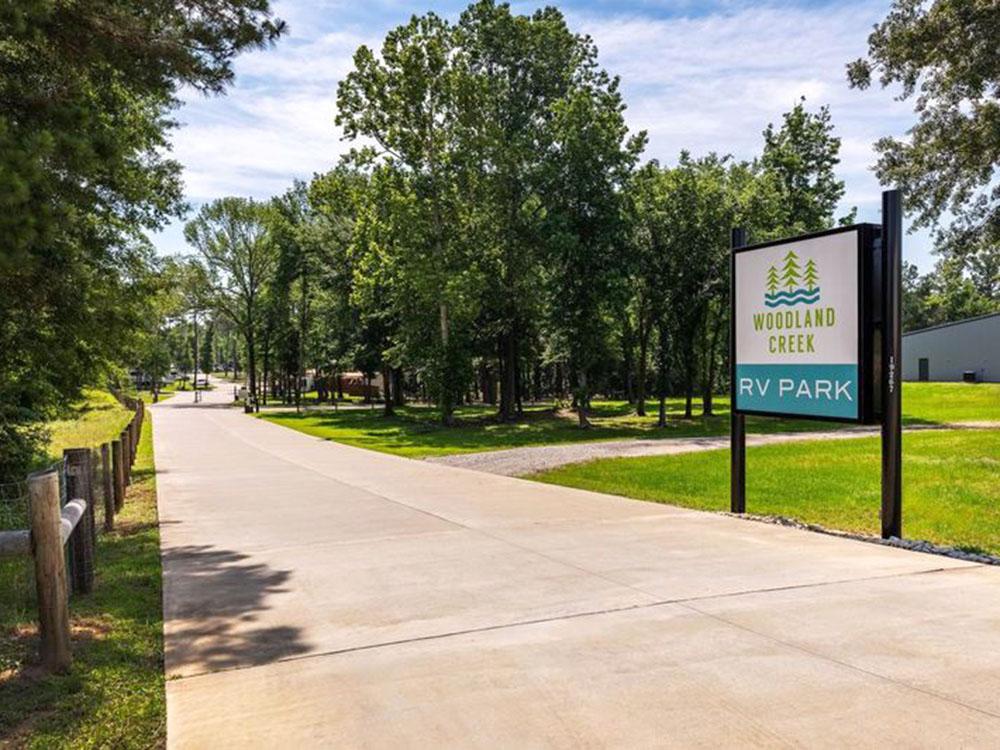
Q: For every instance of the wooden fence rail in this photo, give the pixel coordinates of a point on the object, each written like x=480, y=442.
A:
x=53, y=525
x=15, y=543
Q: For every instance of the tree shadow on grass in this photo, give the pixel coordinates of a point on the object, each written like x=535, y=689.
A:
x=212, y=598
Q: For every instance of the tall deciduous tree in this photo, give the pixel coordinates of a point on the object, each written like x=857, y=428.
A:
x=945, y=55
x=517, y=68
x=231, y=235
x=334, y=200
x=591, y=164
x=289, y=223
x=802, y=154
x=408, y=101
x=86, y=90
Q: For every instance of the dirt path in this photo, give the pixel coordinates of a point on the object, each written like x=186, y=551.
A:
x=518, y=462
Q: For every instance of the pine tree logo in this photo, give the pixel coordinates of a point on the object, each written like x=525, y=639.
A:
x=790, y=271
x=811, y=278
x=772, y=280
x=797, y=286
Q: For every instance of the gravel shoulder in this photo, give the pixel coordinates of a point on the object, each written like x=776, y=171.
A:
x=514, y=462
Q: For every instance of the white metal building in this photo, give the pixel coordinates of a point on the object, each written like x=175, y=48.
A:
x=948, y=351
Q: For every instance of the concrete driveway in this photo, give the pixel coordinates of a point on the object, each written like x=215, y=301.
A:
x=318, y=595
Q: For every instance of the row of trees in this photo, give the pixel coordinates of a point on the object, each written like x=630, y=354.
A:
x=86, y=92
x=502, y=235
x=496, y=229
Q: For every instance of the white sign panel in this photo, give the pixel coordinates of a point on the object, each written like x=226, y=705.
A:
x=797, y=327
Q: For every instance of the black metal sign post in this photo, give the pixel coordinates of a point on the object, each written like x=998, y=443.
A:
x=892, y=429
x=878, y=397
x=737, y=422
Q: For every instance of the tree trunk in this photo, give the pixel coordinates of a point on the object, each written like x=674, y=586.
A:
x=398, y=399
x=628, y=350
x=712, y=367
x=196, y=350
x=582, y=400
x=446, y=400
x=252, y=364
x=518, y=380
x=388, y=392
x=486, y=383
x=689, y=382
x=640, y=385
x=266, y=371
x=303, y=324
x=508, y=366
x=662, y=374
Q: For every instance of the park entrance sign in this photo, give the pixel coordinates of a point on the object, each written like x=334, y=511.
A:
x=815, y=334
x=800, y=318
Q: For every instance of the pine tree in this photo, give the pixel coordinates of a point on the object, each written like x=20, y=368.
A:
x=772, y=280
x=790, y=271
x=811, y=277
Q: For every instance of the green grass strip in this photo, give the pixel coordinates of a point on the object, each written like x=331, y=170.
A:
x=114, y=696
x=951, y=484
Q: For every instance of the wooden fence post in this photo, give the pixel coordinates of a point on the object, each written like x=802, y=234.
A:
x=118, y=453
x=82, y=540
x=50, y=571
x=126, y=457
x=108, y=483
x=92, y=489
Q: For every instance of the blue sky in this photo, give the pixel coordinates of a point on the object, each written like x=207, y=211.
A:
x=705, y=76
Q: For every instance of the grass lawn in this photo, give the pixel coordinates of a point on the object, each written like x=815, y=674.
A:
x=415, y=431
x=114, y=696
x=98, y=418
x=951, y=402
x=310, y=399
x=951, y=484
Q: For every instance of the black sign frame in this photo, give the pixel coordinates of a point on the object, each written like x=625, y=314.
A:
x=879, y=298
x=867, y=236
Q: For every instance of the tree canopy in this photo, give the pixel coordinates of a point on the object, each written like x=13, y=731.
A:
x=945, y=57
x=494, y=233
x=86, y=91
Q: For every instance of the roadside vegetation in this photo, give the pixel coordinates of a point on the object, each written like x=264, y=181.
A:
x=950, y=484
x=416, y=431
x=96, y=418
x=114, y=696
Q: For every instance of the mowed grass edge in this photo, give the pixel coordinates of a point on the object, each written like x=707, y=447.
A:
x=415, y=432
x=951, y=484
x=114, y=696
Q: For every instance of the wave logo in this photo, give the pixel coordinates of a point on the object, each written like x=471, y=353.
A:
x=793, y=284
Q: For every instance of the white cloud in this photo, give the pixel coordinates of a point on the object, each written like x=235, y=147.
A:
x=713, y=82
x=708, y=82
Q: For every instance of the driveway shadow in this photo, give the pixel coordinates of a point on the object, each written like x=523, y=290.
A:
x=212, y=600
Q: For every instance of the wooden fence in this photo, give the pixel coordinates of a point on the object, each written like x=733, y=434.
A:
x=62, y=534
